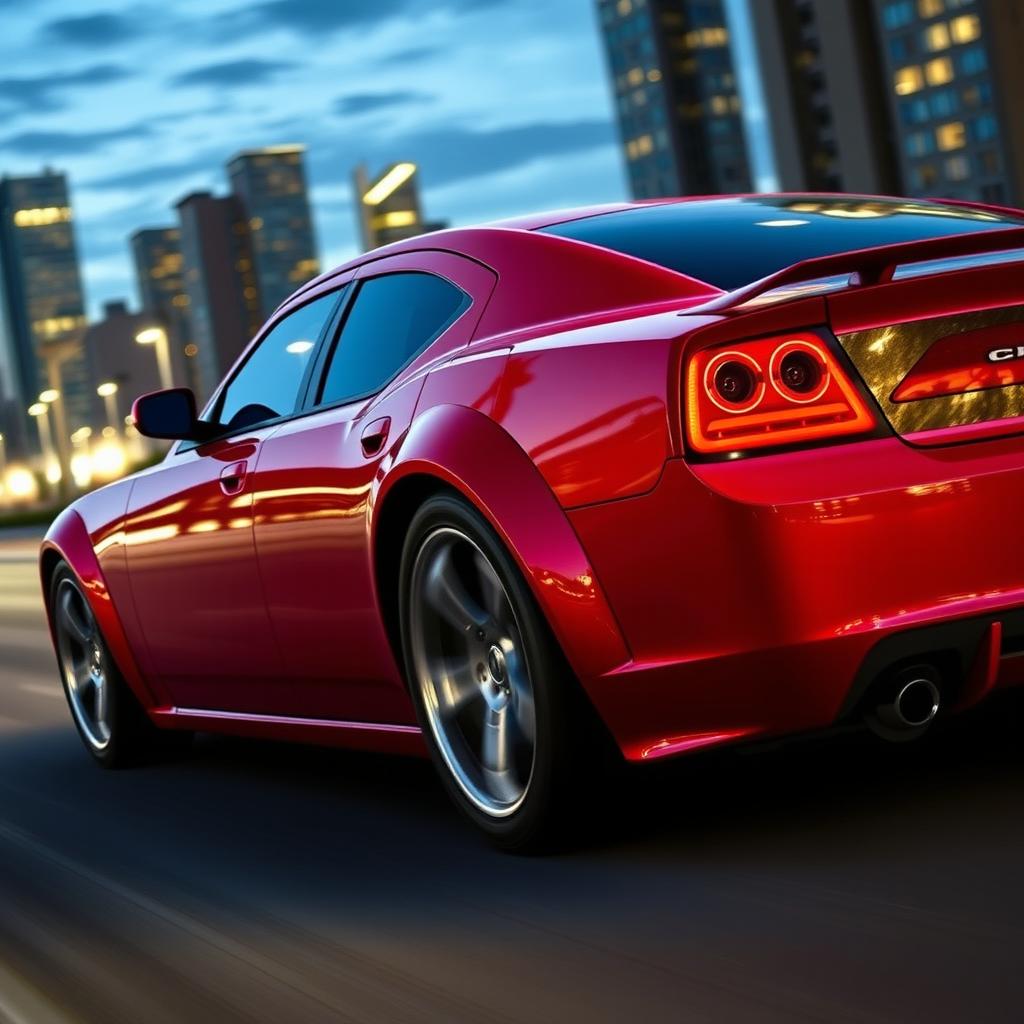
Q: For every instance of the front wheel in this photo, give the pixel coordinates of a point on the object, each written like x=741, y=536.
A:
x=493, y=694
x=112, y=724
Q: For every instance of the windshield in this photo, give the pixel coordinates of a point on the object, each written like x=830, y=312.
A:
x=732, y=242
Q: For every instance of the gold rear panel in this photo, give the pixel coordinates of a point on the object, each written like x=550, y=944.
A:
x=885, y=355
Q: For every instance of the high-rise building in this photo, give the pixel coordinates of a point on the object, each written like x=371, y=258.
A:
x=115, y=357
x=44, y=309
x=270, y=185
x=954, y=76
x=826, y=104
x=676, y=96
x=220, y=282
x=160, y=273
x=389, y=205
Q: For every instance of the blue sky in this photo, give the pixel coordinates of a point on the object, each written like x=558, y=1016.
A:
x=503, y=103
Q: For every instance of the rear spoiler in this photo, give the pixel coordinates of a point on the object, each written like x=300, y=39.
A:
x=870, y=266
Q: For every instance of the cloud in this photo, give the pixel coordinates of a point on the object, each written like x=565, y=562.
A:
x=412, y=55
x=100, y=29
x=370, y=102
x=65, y=144
x=449, y=153
x=248, y=71
x=316, y=17
x=43, y=93
x=157, y=174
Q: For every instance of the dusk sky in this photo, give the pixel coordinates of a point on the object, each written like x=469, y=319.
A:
x=505, y=105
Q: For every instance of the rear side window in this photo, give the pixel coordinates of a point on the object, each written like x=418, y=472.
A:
x=392, y=319
x=267, y=385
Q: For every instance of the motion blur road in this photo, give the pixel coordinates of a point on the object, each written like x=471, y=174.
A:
x=834, y=882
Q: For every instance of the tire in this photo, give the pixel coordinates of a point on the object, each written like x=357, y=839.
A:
x=112, y=724
x=495, y=698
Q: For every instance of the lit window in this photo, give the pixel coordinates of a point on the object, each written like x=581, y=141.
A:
x=654, y=75
x=936, y=37
x=908, y=80
x=707, y=37
x=719, y=105
x=42, y=216
x=951, y=135
x=644, y=145
x=930, y=8
x=965, y=29
x=635, y=76
x=624, y=7
x=939, y=71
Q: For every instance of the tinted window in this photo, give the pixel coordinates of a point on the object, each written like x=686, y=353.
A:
x=732, y=242
x=267, y=386
x=393, y=318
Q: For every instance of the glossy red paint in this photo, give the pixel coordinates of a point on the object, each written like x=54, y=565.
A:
x=240, y=587
x=991, y=357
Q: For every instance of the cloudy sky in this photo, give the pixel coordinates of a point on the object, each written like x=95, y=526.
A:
x=503, y=103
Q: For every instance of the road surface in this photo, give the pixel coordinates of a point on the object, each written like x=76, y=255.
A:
x=255, y=882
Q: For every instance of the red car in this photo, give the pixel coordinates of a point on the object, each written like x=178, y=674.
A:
x=669, y=475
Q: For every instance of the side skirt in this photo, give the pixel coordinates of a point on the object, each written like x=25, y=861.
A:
x=388, y=739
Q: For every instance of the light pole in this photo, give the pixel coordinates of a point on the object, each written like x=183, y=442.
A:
x=157, y=337
x=108, y=392
x=55, y=354
x=41, y=411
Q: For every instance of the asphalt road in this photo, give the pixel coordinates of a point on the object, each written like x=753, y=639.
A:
x=255, y=882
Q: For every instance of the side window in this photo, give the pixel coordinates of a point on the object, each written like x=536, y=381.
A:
x=267, y=385
x=393, y=318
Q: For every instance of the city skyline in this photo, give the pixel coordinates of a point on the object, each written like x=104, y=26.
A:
x=99, y=95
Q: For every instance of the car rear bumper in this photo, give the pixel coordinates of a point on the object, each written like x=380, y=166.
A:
x=766, y=596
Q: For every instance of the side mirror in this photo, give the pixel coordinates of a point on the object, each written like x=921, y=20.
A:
x=169, y=415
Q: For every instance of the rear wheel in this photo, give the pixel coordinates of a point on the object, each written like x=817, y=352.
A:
x=112, y=724
x=494, y=695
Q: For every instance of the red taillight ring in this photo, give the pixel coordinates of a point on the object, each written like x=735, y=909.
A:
x=737, y=357
x=776, y=361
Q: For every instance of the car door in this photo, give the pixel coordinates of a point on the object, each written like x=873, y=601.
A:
x=315, y=475
x=205, y=634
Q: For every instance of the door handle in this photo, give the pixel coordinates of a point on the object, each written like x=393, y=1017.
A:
x=374, y=435
x=232, y=478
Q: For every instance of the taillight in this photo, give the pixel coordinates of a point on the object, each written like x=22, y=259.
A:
x=773, y=391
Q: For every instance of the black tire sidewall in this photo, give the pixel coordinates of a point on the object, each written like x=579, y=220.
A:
x=132, y=735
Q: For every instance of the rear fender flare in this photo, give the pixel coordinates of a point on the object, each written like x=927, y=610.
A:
x=470, y=453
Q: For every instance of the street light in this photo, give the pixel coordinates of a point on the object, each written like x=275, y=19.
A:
x=157, y=336
x=52, y=470
x=108, y=392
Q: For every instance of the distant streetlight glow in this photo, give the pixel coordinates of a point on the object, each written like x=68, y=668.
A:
x=49, y=395
x=38, y=409
x=395, y=178
x=157, y=337
x=109, y=388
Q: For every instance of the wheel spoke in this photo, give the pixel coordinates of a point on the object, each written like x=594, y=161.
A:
x=448, y=596
x=457, y=688
x=74, y=621
x=100, y=703
x=521, y=703
x=496, y=743
x=493, y=592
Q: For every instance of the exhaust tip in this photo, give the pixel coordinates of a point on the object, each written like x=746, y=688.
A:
x=917, y=703
x=904, y=704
